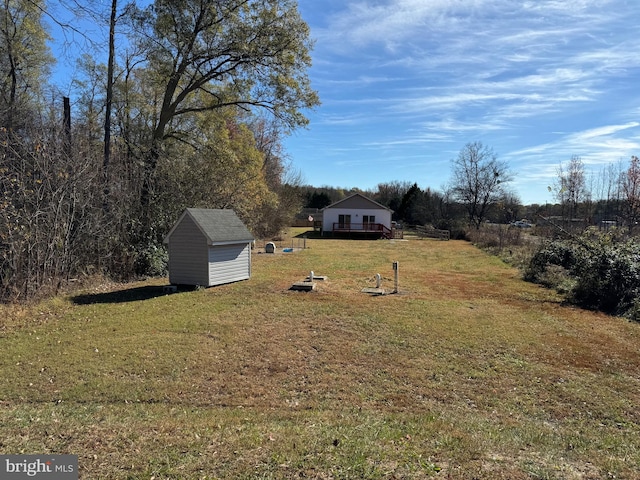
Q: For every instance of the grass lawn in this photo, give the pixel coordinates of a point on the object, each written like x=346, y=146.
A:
x=467, y=372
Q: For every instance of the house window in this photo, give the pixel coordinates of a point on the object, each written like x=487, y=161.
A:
x=368, y=220
x=344, y=221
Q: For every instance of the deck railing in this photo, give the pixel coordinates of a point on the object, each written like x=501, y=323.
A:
x=368, y=228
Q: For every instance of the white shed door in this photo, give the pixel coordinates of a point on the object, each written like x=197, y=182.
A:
x=229, y=263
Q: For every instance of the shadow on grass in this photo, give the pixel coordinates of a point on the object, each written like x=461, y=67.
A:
x=310, y=234
x=136, y=294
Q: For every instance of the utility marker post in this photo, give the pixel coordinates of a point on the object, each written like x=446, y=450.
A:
x=395, y=275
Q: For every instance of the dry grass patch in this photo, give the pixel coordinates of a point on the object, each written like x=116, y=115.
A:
x=467, y=373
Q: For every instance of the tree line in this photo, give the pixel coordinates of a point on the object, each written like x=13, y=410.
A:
x=611, y=195
x=478, y=192
x=189, y=110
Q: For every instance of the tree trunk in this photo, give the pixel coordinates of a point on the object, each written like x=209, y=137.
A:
x=109, y=101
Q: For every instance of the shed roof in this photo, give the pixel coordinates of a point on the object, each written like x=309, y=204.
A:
x=357, y=201
x=217, y=225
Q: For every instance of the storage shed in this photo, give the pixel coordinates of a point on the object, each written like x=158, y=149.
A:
x=209, y=247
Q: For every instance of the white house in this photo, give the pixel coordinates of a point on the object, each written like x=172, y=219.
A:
x=355, y=216
x=208, y=247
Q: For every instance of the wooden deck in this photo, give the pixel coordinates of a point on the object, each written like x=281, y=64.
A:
x=366, y=230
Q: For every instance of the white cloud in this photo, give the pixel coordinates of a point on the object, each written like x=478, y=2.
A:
x=394, y=23
x=603, y=131
x=433, y=47
x=596, y=147
x=436, y=74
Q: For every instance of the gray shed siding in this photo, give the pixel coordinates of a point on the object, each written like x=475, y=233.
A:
x=229, y=263
x=187, y=248
x=208, y=247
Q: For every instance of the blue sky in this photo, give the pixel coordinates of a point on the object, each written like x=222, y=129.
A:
x=405, y=84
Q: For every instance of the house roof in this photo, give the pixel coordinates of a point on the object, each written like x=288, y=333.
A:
x=357, y=201
x=217, y=225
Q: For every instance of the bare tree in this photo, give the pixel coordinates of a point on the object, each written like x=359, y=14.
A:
x=46, y=213
x=478, y=180
x=571, y=187
x=268, y=137
x=630, y=190
x=604, y=188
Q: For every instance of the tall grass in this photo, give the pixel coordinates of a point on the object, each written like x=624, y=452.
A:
x=468, y=372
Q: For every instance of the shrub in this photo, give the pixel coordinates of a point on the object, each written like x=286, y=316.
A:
x=597, y=271
x=152, y=260
x=608, y=279
x=553, y=254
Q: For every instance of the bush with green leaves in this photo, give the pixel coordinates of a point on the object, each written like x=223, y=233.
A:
x=152, y=260
x=552, y=254
x=602, y=268
x=609, y=279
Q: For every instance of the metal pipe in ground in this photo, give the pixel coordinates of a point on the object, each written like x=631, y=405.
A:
x=395, y=277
